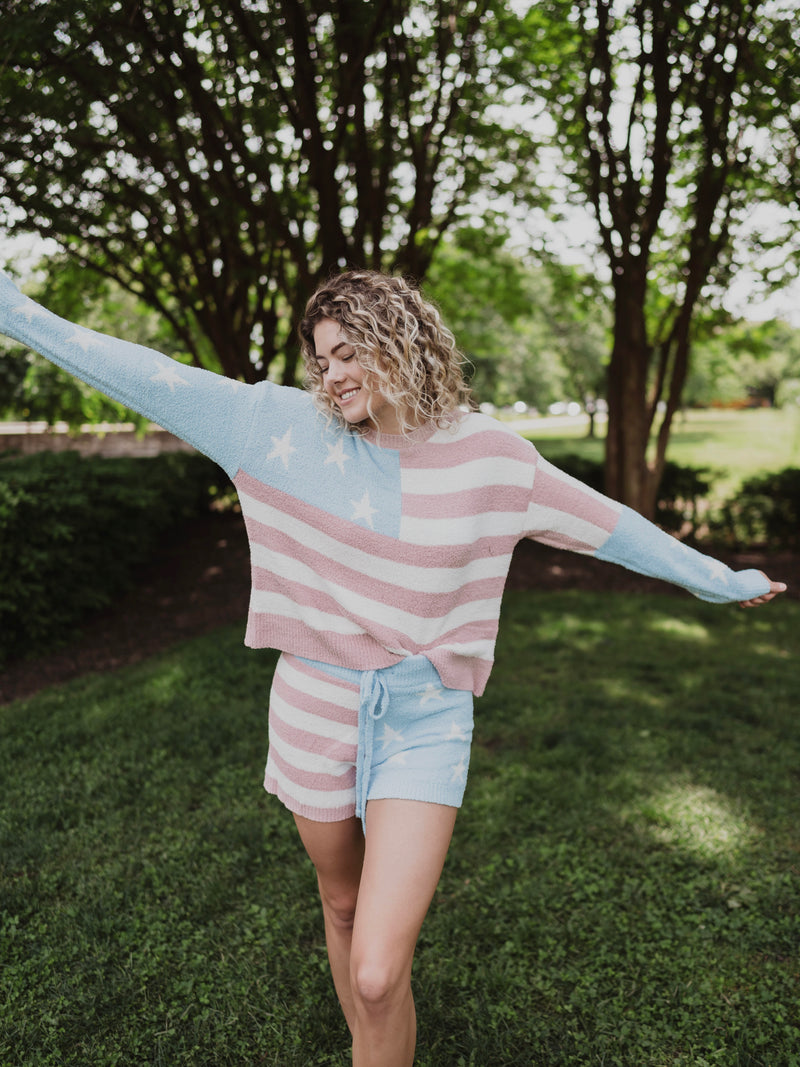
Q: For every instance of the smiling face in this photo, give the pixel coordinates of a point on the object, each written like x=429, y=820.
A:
x=345, y=381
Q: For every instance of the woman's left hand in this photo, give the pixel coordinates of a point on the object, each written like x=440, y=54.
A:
x=774, y=589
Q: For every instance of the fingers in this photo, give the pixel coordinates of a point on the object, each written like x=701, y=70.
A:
x=774, y=589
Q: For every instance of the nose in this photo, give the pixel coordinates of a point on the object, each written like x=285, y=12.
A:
x=336, y=370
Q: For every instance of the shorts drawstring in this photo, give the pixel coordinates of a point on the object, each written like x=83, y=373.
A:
x=374, y=705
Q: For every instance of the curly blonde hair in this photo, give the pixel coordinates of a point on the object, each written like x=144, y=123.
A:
x=409, y=356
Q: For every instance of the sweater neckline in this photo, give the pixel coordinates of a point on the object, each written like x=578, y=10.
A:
x=400, y=441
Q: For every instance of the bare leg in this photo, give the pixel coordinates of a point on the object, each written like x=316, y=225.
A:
x=337, y=851
x=406, y=845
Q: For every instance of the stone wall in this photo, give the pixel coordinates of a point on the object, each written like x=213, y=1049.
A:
x=104, y=439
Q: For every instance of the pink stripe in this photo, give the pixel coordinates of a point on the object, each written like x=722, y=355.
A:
x=313, y=704
x=302, y=667
x=569, y=496
x=311, y=743
x=344, y=811
x=559, y=540
x=490, y=442
x=467, y=503
x=359, y=652
x=310, y=780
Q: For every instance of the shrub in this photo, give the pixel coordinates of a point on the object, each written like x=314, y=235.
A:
x=765, y=510
x=73, y=529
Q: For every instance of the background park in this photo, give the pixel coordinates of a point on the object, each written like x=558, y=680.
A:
x=604, y=201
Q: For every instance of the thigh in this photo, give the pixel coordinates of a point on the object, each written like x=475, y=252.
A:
x=337, y=851
x=406, y=846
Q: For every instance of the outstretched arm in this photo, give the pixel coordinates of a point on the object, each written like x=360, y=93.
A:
x=568, y=514
x=208, y=410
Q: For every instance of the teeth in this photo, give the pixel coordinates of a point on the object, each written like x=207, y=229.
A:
x=348, y=394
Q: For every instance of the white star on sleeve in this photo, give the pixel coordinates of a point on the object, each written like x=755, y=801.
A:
x=30, y=310
x=717, y=570
x=283, y=448
x=168, y=375
x=336, y=455
x=362, y=510
x=85, y=339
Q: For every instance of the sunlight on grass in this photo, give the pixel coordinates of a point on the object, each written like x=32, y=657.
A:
x=695, y=819
x=685, y=628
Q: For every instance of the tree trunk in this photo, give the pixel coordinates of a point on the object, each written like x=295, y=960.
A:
x=627, y=476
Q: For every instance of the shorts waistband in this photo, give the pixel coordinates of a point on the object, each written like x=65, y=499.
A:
x=406, y=674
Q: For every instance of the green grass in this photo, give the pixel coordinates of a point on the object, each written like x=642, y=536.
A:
x=735, y=445
x=622, y=888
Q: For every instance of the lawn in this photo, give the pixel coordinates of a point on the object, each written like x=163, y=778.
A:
x=622, y=889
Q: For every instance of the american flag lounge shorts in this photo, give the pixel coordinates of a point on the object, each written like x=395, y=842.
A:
x=340, y=737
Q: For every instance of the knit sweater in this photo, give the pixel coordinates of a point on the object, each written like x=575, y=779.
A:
x=366, y=549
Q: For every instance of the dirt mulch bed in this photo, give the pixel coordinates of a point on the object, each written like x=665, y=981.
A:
x=201, y=580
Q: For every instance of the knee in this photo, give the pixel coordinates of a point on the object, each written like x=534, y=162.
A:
x=340, y=908
x=377, y=984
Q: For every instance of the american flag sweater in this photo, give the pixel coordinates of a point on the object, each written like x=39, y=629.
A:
x=367, y=549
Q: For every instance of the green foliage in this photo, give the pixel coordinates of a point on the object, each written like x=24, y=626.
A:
x=766, y=510
x=621, y=887
x=220, y=158
x=535, y=334
x=71, y=530
x=745, y=361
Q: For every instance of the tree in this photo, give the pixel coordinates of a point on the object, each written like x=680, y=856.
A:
x=217, y=159
x=531, y=332
x=681, y=119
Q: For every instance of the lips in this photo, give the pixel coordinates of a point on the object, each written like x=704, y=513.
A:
x=348, y=394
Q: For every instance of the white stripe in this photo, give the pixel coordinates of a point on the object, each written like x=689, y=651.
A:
x=541, y=520
x=312, y=798
x=483, y=649
x=313, y=724
x=461, y=531
x=322, y=689
x=354, y=606
x=476, y=474
x=313, y=762
x=392, y=572
x=265, y=602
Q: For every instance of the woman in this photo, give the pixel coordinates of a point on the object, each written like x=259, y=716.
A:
x=382, y=516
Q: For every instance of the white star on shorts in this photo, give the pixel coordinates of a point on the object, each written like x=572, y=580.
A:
x=391, y=736
x=456, y=733
x=434, y=693
x=459, y=771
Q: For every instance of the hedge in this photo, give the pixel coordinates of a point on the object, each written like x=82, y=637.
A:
x=73, y=529
x=765, y=511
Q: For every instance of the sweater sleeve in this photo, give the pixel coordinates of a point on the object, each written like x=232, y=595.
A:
x=565, y=513
x=209, y=411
